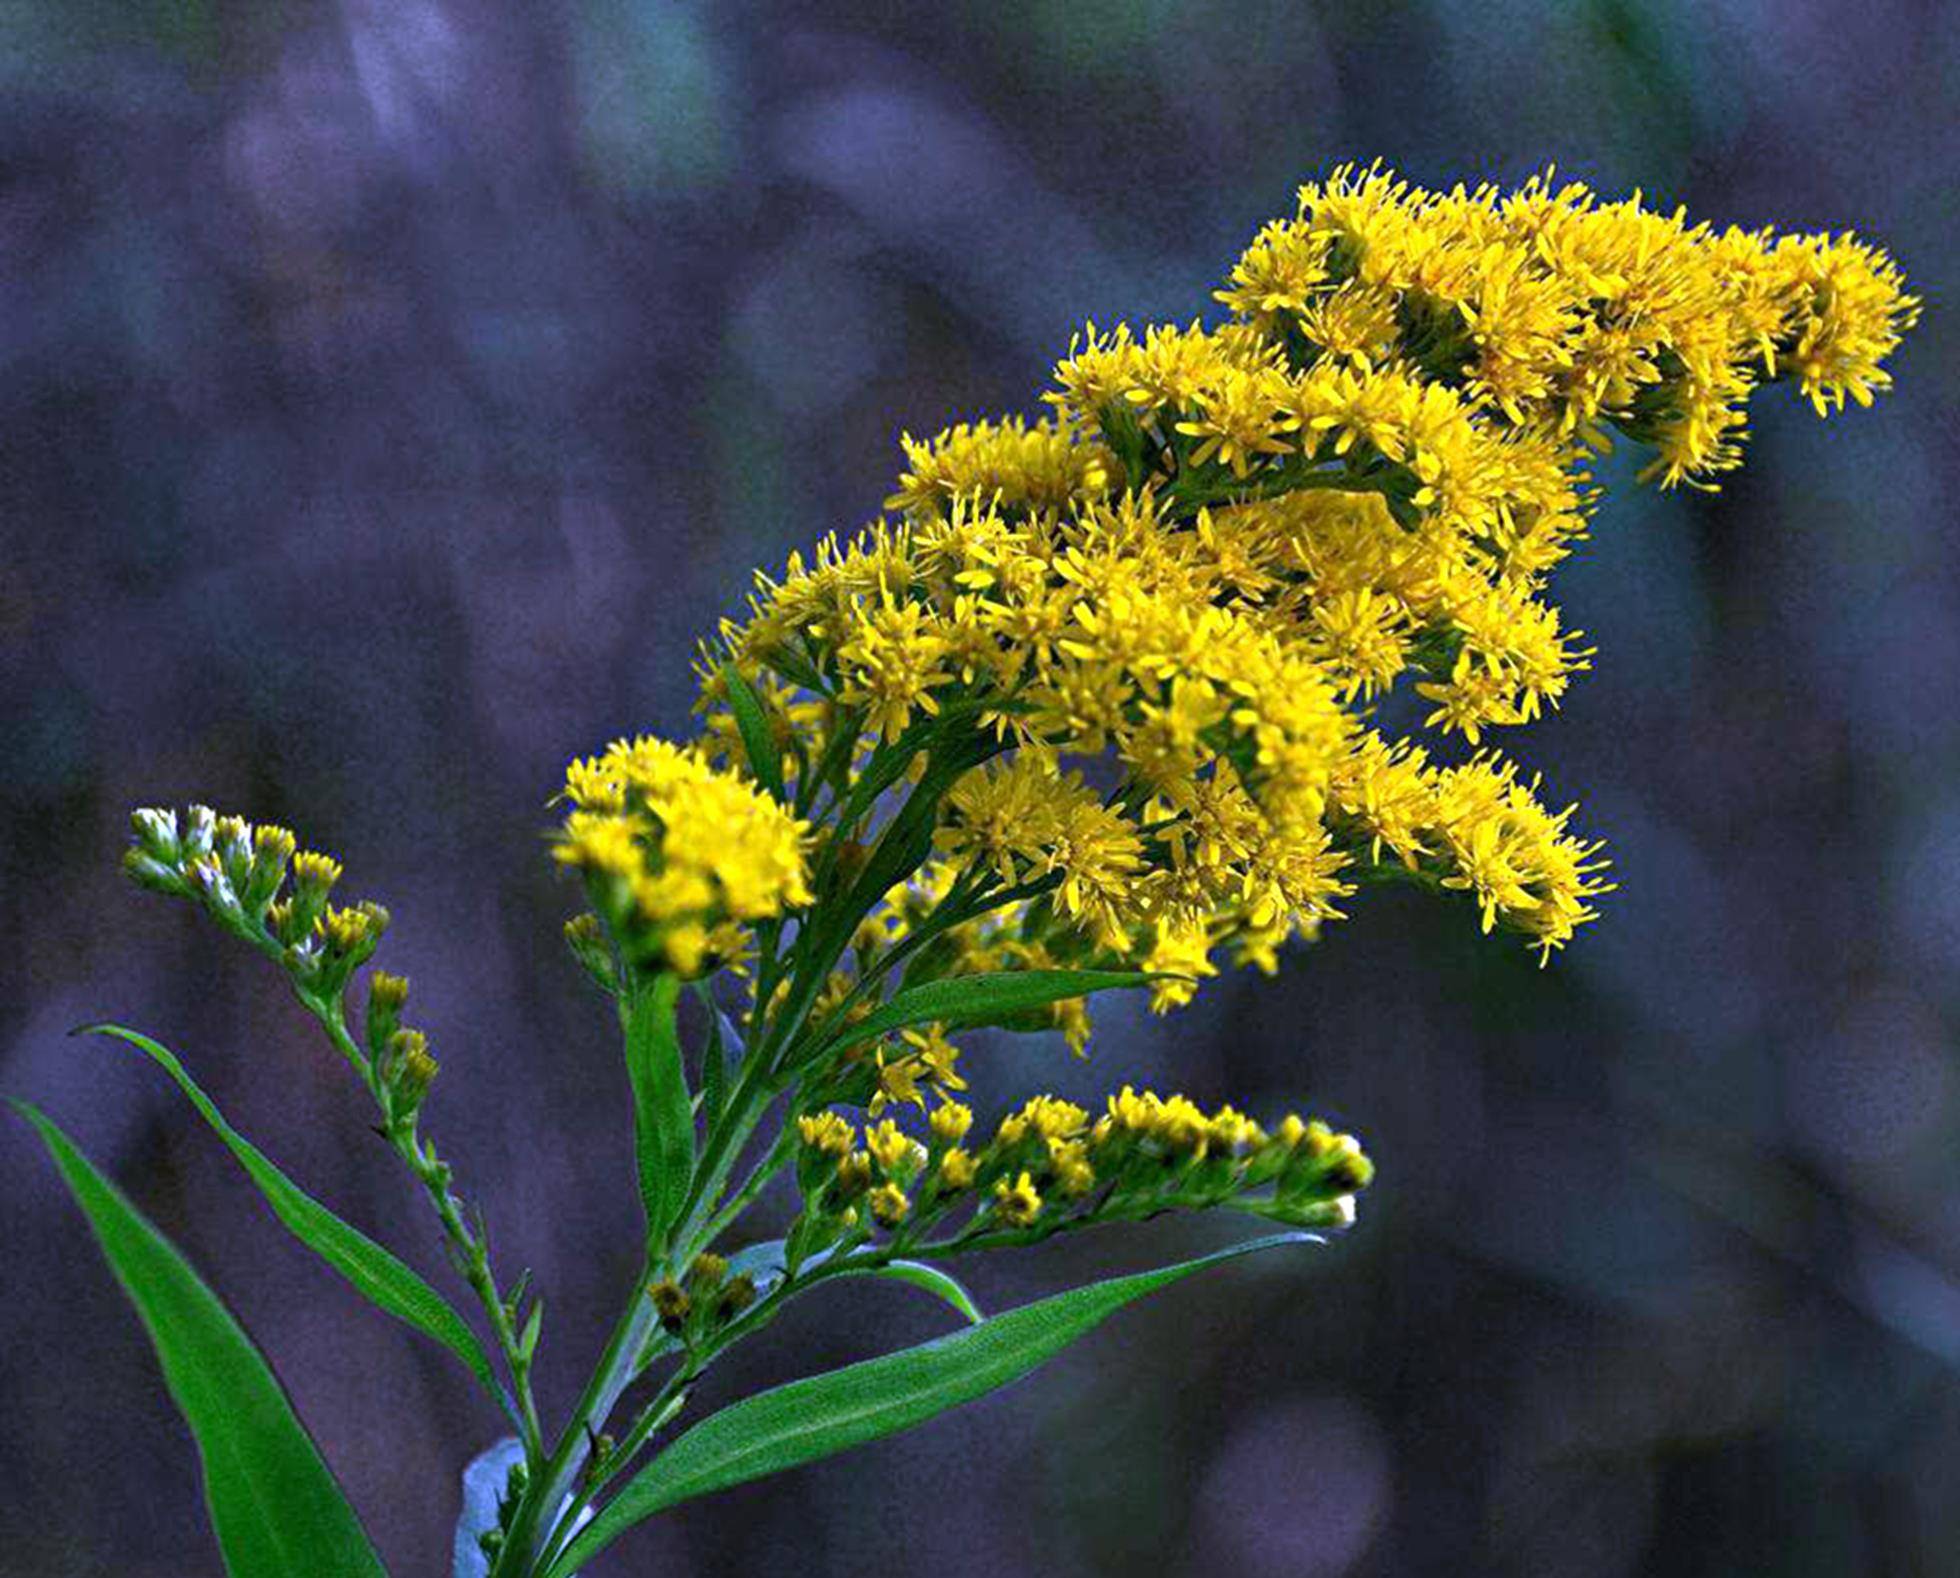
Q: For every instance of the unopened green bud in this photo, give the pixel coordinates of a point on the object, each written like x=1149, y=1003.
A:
x=156, y=834
x=272, y=847
x=314, y=875
x=232, y=843
x=386, y=995
x=208, y=882
x=408, y=1068
x=200, y=823
x=147, y=871
x=585, y=935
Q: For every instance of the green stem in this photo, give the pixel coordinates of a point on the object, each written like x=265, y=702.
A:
x=743, y=1198
x=471, y=1253
x=746, y=1106
x=658, y=1413
x=537, y=1515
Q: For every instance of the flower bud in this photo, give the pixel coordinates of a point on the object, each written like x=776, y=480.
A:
x=585, y=935
x=148, y=871
x=852, y=1178
x=279, y=920
x=232, y=844
x=314, y=875
x=386, y=995
x=200, y=823
x=897, y=1154
x=950, y=1122
x=827, y=1140
x=349, y=935
x=272, y=848
x=1018, y=1203
x=956, y=1171
x=208, y=881
x=671, y=1303
x=408, y=1068
x=156, y=834
x=737, y=1294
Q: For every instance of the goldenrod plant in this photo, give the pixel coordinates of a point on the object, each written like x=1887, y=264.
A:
x=1098, y=706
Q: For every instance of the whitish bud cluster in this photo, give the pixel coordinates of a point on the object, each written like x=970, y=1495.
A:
x=258, y=884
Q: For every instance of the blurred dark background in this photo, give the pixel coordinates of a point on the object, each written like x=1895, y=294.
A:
x=392, y=391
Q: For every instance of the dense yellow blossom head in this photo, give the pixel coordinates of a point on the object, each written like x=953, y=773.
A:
x=1162, y=622
x=1179, y=600
x=679, y=854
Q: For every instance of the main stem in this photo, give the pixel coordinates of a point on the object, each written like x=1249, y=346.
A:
x=544, y=1506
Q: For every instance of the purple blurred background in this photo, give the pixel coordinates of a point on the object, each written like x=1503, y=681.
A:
x=392, y=391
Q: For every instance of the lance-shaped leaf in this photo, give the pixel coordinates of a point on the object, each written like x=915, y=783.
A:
x=274, y=1504
x=721, y=1041
x=758, y=739
x=663, y=1110
x=826, y=1414
x=373, y=1272
x=988, y=998
x=764, y=1264
x=928, y=1279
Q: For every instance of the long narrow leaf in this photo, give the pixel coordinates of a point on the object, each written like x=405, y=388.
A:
x=758, y=740
x=663, y=1111
x=372, y=1271
x=274, y=1504
x=902, y=847
x=714, y=1064
x=763, y=1263
x=826, y=1414
x=929, y=1279
x=986, y=998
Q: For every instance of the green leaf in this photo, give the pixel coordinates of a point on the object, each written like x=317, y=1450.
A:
x=821, y=1415
x=758, y=739
x=792, y=665
x=274, y=1504
x=929, y=1278
x=984, y=999
x=763, y=1263
x=714, y=1060
x=371, y=1270
x=663, y=1111
x=901, y=848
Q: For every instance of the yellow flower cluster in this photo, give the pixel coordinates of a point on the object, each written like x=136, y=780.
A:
x=1178, y=599
x=1050, y=1165
x=678, y=854
x=1559, y=312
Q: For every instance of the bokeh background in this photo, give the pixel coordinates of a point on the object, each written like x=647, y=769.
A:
x=392, y=391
